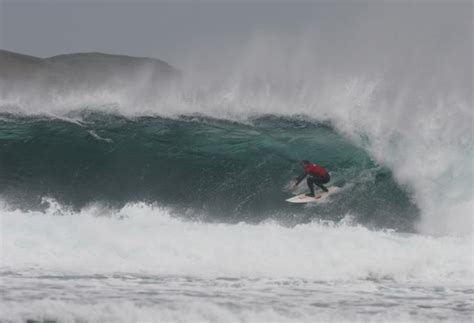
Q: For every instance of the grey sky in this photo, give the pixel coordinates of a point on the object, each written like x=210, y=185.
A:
x=157, y=29
x=355, y=33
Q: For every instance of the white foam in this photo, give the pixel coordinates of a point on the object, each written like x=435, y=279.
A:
x=190, y=311
x=145, y=239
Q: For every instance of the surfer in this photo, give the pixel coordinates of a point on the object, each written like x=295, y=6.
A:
x=317, y=175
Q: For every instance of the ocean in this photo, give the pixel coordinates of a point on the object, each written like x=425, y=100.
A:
x=134, y=192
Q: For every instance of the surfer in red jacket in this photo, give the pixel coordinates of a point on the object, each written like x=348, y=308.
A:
x=316, y=175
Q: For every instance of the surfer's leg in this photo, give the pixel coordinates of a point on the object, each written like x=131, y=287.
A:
x=319, y=181
x=321, y=186
x=310, y=181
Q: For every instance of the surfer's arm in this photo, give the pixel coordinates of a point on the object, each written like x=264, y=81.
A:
x=299, y=179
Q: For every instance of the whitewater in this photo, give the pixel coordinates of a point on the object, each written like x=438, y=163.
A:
x=136, y=191
x=143, y=264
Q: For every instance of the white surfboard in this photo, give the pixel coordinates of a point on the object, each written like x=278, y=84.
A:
x=319, y=196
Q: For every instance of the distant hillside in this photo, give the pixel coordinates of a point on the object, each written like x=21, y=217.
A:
x=82, y=71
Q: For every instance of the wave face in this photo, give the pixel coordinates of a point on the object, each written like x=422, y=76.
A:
x=227, y=171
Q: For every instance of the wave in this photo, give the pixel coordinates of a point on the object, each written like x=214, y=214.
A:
x=228, y=171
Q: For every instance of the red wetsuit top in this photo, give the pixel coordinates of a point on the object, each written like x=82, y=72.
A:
x=315, y=170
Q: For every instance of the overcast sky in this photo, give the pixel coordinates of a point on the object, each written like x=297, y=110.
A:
x=176, y=30
x=159, y=29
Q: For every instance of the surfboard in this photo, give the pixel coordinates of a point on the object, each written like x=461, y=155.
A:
x=319, y=196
